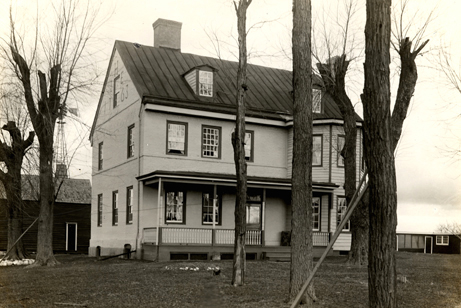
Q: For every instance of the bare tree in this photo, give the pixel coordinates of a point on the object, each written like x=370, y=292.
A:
x=301, y=193
x=12, y=154
x=59, y=50
x=238, y=142
x=453, y=228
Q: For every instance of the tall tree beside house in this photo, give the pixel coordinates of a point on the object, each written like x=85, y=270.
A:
x=382, y=132
x=333, y=74
x=59, y=51
x=12, y=155
x=238, y=143
x=301, y=195
x=379, y=157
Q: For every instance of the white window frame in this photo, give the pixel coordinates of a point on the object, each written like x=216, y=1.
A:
x=205, y=84
x=129, y=205
x=175, y=206
x=319, y=162
x=440, y=240
x=115, y=208
x=130, y=141
x=341, y=209
x=249, y=145
x=176, y=135
x=100, y=198
x=316, y=206
x=340, y=144
x=211, y=142
x=117, y=87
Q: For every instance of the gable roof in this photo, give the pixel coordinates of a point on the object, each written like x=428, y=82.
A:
x=71, y=190
x=158, y=74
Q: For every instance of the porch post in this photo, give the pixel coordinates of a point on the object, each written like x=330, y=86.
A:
x=263, y=217
x=215, y=200
x=159, y=218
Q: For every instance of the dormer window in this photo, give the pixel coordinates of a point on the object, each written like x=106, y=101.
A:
x=201, y=79
x=316, y=101
x=205, y=83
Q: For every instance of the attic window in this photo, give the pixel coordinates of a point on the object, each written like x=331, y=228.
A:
x=205, y=83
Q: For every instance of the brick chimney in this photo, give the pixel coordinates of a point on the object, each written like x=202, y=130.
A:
x=167, y=33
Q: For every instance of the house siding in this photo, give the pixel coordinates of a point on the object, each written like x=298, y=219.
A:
x=269, y=157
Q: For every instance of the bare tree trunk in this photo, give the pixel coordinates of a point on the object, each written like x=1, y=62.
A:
x=13, y=155
x=333, y=75
x=301, y=221
x=238, y=142
x=379, y=157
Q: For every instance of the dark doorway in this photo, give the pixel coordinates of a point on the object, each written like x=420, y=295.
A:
x=71, y=240
x=428, y=244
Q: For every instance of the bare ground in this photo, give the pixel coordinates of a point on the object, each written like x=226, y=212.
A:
x=80, y=281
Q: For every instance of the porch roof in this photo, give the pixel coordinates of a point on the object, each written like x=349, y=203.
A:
x=225, y=179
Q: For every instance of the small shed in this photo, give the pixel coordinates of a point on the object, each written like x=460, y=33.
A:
x=72, y=215
x=428, y=243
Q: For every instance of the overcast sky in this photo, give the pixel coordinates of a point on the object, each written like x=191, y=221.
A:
x=428, y=175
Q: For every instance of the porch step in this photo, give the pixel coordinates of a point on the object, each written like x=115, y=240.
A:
x=283, y=256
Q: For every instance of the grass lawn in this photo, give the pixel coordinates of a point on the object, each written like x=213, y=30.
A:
x=80, y=281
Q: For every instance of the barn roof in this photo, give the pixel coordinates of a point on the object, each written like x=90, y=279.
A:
x=71, y=190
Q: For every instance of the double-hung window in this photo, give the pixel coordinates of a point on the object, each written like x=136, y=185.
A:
x=100, y=155
x=211, y=142
x=130, y=141
x=253, y=209
x=100, y=210
x=175, y=203
x=317, y=145
x=176, y=138
x=129, y=205
x=442, y=240
x=316, y=213
x=210, y=202
x=115, y=208
x=341, y=213
x=340, y=158
x=205, y=83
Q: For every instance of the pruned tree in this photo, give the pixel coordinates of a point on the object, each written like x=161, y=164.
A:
x=379, y=156
x=238, y=143
x=301, y=180
x=55, y=59
x=12, y=155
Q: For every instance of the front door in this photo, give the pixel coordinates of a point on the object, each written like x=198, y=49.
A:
x=253, y=209
x=428, y=244
x=71, y=236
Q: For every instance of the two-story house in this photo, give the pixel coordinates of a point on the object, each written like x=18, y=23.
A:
x=163, y=169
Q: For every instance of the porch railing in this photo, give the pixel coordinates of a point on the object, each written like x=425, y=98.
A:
x=186, y=236
x=210, y=237
x=321, y=238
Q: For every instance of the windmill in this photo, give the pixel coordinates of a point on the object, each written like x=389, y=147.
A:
x=61, y=160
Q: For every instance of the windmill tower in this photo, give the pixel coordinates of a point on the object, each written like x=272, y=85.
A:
x=60, y=148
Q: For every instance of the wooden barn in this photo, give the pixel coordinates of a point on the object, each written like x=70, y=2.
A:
x=428, y=243
x=72, y=214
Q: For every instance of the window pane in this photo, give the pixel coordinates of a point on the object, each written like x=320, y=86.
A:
x=207, y=208
x=176, y=138
x=248, y=146
x=341, y=212
x=253, y=213
x=130, y=142
x=340, y=159
x=205, y=83
x=210, y=142
x=317, y=151
x=174, y=206
x=116, y=90
x=316, y=213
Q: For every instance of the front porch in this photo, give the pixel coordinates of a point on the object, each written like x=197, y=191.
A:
x=171, y=243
